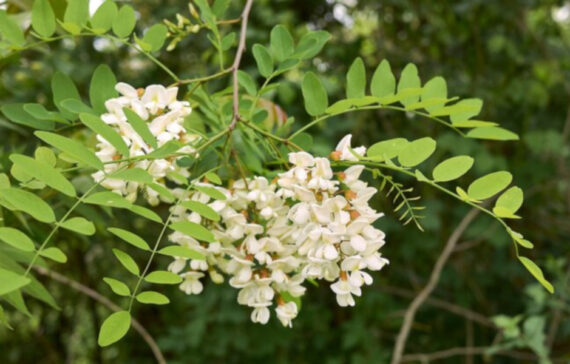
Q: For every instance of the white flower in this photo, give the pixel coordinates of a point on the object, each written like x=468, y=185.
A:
x=343, y=148
x=260, y=314
x=192, y=284
x=286, y=313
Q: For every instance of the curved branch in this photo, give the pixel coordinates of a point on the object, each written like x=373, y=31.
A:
x=110, y=305
x=443, y=354
x=428, y=289
x=237, y=61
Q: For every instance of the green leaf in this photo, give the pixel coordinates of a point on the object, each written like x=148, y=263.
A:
x=102, y=87
x=130, y=238
x=511, y=199
x=387, y=149
x=29, y=203
x=409, y=79
x=125, y=22
x=493, y=133
x=537, y=273
x=43, y=18
x=263, y=60
x=63, y=88
x=201, y=209
x=152, y=298
x=146, y=213
x=303, y=140
x=76, y=107
x=356, y=79
x=10, y=281
x=182, y=252
x=155, y=36
x=383, y=81
x=79, y=225
x=245, y=81
x=45, y=155
x=114, y=328
x=108, y=133
x=71, y=147
x=54, y=254
x=109, y=199
x=10, y=30
x=17, y=114
x=141, y=127
x=475, y=106
x=117, y=287
x=194, y=230
x=104, y=17
x=127, y=261
x=134, y=175
x=489, y=185
x=162, y=191
x=416, y=152
x=16, y=239
x=228, y=41
x=314, y=94
x=474, y=124
x=212, y=177
x=163, y=277
x=281, y=43
x=39, y=111
x=311, y=44
x=519, y=239
x=210, y=191
x=77, y=12
x=436, y=88
x=452, y=168
x=44, y=173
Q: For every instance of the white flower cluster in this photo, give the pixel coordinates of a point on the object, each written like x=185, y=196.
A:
x=308, y=224
x=164, y=116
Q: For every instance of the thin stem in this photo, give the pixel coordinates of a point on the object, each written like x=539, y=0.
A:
x=270, y=135
x=237, y=60
x=375, y=107
x=202, y=79
x=81, y=288
x=57, y=225
x=430, y=286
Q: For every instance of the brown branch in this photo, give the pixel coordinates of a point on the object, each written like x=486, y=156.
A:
x=235, y=66
x=443, y=354
x=428, y=289
x=439, y=303
x=106, y=302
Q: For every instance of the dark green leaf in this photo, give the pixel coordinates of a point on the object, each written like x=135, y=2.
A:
x=263, y=60
x=102, y=86
x=281, y=43
x=17, y=114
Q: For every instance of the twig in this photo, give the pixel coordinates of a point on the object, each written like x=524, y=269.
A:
x=110, y=305
x=237, y=60
x=464, y=351
x=428, y=289
x=439, y=303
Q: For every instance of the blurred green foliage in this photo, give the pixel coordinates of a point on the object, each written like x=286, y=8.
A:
x=512, y=54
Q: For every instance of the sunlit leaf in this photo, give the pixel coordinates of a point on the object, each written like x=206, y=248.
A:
x=127, y=261
x=416, y=152
x=452, y=168
x=16, y=239
x=489, y=185
x=130, y=238
x=152, y=298
x=114, y=328
x=356, y=79
x=79, y=225
x=194, y=230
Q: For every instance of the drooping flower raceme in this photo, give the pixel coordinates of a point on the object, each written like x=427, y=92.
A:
x=163, y=115
x=269, y=237
x=308, y=224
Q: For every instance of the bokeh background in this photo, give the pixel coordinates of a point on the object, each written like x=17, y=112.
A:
x=513, y=54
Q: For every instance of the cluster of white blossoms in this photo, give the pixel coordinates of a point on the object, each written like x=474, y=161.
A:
x=164, y=116
x=307, y=224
